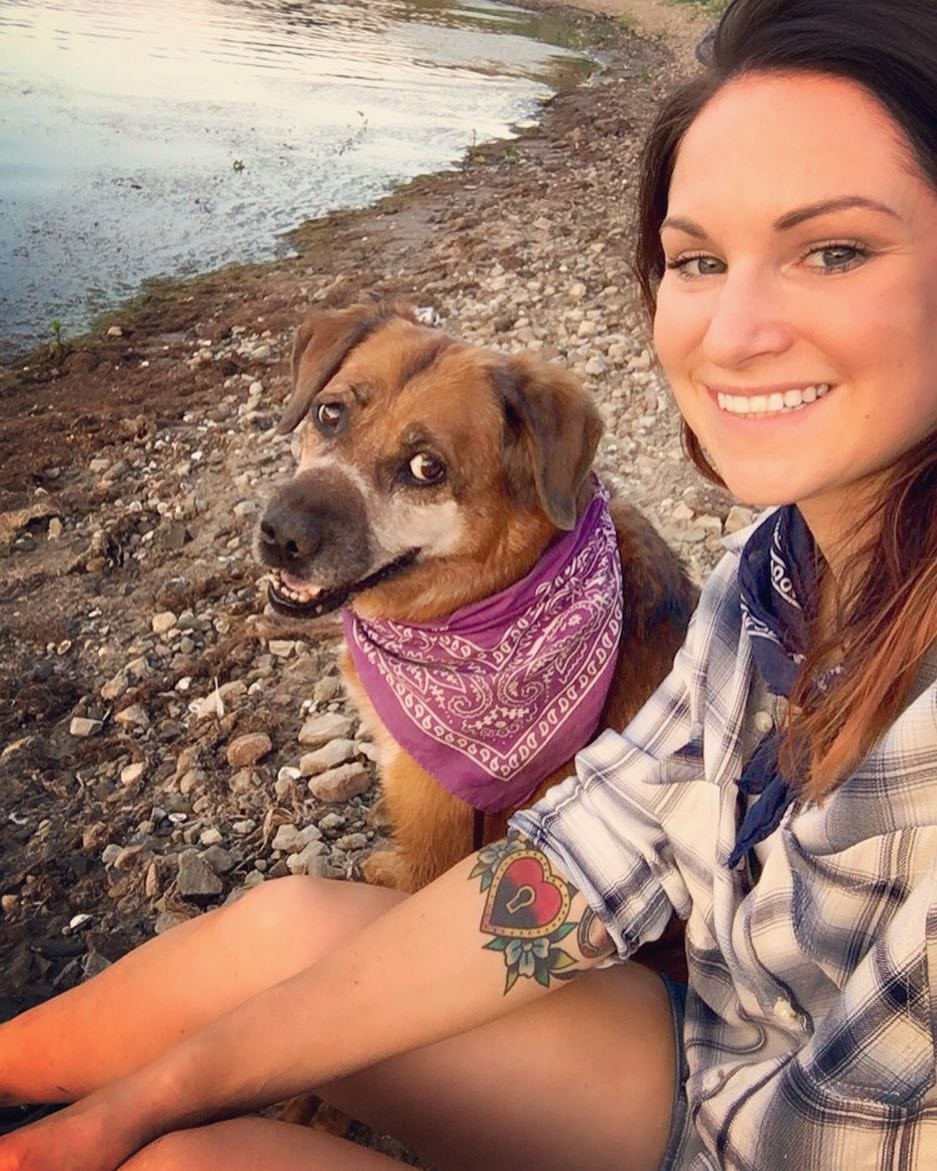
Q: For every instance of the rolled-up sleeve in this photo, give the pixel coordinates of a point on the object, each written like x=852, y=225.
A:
x=611, y=828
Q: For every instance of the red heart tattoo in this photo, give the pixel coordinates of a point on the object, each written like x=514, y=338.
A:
x=525, y=900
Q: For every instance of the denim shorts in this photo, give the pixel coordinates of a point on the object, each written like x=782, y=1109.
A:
x=680, y=1115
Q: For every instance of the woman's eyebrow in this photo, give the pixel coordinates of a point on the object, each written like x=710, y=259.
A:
x=792, y=218
x=799, y=215
x=683, y=225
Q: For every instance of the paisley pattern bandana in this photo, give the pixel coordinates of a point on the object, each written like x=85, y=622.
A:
x=777, y=575
x=493, y=698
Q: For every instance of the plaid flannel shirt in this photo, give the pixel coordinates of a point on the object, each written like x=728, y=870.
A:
x=812, y=1004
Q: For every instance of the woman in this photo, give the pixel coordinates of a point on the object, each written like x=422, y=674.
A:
x=779, y=792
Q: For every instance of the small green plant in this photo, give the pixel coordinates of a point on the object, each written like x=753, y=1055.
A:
x=57, y=345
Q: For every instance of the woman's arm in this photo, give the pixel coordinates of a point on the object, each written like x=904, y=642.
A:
x=496, y=931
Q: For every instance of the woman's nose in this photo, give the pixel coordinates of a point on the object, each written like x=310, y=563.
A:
x=749, y=319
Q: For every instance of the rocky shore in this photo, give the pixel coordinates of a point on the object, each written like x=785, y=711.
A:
x=163, y=744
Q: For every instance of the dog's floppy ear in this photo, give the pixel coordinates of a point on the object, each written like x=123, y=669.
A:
x=322, y=344
x=553, y=430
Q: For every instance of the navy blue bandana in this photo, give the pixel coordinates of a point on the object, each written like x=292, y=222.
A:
x=777, y=576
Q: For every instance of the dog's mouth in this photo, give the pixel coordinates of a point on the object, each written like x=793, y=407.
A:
x=296, y=598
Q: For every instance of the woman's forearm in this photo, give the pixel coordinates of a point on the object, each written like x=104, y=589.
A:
x=496, y=931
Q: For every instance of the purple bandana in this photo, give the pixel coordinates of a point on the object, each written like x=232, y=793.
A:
x=495, y=697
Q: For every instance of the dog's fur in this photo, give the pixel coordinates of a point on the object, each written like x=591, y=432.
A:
x=433, y=474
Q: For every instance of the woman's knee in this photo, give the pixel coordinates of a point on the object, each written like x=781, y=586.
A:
x=316, y=912
x=179, y=1151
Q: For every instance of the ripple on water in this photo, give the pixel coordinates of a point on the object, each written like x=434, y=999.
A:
x=139, y=140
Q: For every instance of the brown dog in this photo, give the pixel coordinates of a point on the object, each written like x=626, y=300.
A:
x=434, y=476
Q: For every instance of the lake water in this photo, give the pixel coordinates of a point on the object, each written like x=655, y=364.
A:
x=141, y=139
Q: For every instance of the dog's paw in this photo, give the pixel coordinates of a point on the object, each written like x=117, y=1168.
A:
x=309, y=1110
x=385, y=868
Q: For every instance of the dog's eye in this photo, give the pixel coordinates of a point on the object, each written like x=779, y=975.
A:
x=329, y=416
x=427, y=469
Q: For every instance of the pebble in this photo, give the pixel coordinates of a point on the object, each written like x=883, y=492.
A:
x=334, y=753
x=243, y=781
x=163, y=622
x=131, y=773
x=247, y=750
x=133, y=717
x=282, y=648
x=320, y=729
x=208, y=705
x=115, y=687
x=312, y=859
x=222, y=861
x=341, y=784
x=737, y=518
x=328, y=689
x=196, y=882
x=290, y=838
x=82, y=727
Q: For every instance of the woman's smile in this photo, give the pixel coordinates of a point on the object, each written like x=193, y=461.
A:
x=767, y=403
x=771, y=402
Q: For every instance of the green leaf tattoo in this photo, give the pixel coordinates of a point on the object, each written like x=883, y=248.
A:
x=526, y=912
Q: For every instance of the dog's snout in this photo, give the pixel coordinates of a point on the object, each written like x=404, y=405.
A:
x=315, y=527
x=289, y=536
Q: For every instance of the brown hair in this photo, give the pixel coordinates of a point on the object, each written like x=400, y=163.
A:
x=888, y=611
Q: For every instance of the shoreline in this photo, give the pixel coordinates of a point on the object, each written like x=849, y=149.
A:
x=677, y=23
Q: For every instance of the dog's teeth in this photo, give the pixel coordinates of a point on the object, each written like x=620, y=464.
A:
x=296, y=589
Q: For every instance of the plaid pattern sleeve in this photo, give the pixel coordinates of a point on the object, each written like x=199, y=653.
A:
x=812, y=1004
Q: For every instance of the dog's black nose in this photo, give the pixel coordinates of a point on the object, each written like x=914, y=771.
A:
x=288, y=536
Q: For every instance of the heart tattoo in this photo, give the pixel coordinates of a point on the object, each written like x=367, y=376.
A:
x=526, y=911
x=525, y=900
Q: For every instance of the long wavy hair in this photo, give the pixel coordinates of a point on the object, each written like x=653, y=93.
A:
x=887, y=613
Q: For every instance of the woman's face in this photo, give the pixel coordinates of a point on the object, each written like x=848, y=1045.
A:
x=797, y=317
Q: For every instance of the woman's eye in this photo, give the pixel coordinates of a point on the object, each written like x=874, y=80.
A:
x=329, y=416
x=426, y=469
x=836, y=257
x=696, y=265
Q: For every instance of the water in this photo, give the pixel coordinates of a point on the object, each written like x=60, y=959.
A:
x=141, y=139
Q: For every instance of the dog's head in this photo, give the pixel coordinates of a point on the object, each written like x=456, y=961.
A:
x=431, y=473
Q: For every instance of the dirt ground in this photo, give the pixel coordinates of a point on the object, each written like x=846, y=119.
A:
x=134, y=653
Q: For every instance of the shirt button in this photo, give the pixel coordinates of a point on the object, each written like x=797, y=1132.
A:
x=764, y=722
x=713, y=1080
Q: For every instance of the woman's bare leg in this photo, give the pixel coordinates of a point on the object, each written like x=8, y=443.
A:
x=176, y=983
x=583, y=1078
x=256, y=1144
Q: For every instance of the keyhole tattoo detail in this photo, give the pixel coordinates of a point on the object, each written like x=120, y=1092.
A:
x=527, y=908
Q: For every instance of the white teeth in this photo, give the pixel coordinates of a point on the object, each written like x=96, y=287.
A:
x=296, y=590
x=771, y=404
